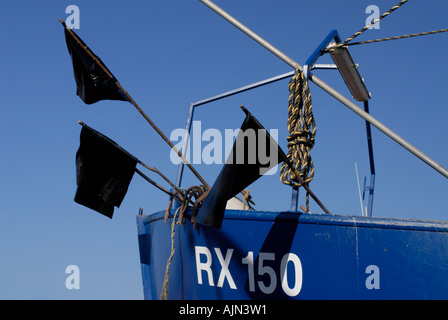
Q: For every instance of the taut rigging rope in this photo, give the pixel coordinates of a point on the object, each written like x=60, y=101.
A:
x=384, y=15
x=398, y=37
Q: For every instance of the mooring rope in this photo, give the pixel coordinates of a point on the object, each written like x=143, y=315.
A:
x=164, y=294
x=302, y=132
x=199, y=193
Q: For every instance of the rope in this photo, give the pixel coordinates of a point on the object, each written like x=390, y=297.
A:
x=199, y=193
x=384, y=15
x=302, y=130
x=398, y=37
x=164, y=294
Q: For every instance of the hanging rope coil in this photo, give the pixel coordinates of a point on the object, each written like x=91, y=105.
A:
x=302, y=132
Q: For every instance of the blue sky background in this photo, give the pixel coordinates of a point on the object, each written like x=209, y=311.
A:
x=167, y=54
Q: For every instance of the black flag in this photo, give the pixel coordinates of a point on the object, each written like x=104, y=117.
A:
x=103, y=172
x=92, y=82
x=246, y=163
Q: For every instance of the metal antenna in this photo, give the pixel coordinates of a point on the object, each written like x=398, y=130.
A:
x=359, y=189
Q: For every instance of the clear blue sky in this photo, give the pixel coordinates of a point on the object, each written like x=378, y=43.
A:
x=168, y=54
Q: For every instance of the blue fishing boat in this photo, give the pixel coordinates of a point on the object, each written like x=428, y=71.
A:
x=247, y=254
x=294, y=255
x=209, y=244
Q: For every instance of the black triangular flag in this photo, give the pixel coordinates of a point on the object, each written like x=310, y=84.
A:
x=246, y=163
x=92, y=82
x=103, y=172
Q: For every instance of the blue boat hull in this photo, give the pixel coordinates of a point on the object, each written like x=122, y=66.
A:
x=284, y=255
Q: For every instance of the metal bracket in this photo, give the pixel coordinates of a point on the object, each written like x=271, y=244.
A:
x=310, y=63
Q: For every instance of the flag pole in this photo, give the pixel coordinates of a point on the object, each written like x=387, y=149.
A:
x=153, y=169
x=305, y=185
x=155, y=184
x=132, y=101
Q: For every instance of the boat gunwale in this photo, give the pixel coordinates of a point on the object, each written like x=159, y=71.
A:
x=318, y=219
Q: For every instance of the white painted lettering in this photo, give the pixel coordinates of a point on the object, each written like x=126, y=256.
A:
x=225, y=273
x=249, y=260
x=291, y=257
x=204, y=266
x=262, y=270
x=289, y=277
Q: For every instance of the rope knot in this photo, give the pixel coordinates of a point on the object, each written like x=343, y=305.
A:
x=303, y=137
x=302, y=132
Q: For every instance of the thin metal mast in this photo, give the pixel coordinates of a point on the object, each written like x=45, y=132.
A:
x=371, y=187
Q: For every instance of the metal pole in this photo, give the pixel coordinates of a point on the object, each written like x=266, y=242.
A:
x=216, y=98
x=372, y=163
x=295, y=199
x=132, y=101
x=330, y=90
x=180, y=170
x=251, y=34
x=155, y=184
x=245, y=88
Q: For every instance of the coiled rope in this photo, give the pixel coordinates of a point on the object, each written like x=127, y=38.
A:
x=302, y=132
